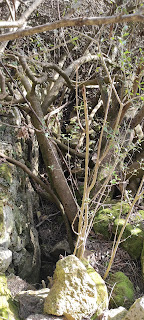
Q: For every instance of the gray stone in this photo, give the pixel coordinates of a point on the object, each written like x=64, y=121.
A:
x=5, y=259
x=62, y=248
x=31, y=301
x=136, y=311
x=8, y=223
x=15, y=284
x=43, y=317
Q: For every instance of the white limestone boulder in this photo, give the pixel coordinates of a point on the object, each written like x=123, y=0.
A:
x=73, y=293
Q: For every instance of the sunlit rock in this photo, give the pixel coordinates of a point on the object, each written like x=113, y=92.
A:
x=136, y=312
x=73, y=293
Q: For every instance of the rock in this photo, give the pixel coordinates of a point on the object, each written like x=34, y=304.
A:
x=6, y=224
x=115, y=314
x=122, y=290
x=16, y=284
x=62, y=247
x=15, y=234
x=102, y=294
x=133, y=235
x=73, y=293
x=142, y=261
x=5, y=259
x=18, y=201
x=136, y=312
x=43, y=317
x=107, y=216
x=8, y=307
x=31, y=301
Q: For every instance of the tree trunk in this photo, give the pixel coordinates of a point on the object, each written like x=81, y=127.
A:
x=52, y=163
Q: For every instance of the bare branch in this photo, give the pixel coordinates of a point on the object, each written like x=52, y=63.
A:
x=29, y=73
x=138, y=77
x=75, y=22
x=22, y=20
x=3, y=93
x=28, y=12
x=61, y=73
x=12, y=13
x=51, y=96
x=44, y=186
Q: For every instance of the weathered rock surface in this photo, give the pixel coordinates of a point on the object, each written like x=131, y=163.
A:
x=19, y=246
x=62, y=248
x=43, y=317
x=5, y=259
x=8, y=307
x=136, y=312
x=115, y=314
x=16, y=284
x=102, y=293
x=73, y=293
x=31, y=302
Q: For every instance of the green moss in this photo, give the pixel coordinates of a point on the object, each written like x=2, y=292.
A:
x=8, y=307
x=102, y=294
x=106, y=216
x=133, y=235
x=6, y=172
x=122, y=292
x=132, y=238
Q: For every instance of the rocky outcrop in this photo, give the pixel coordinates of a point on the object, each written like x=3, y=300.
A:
x=28, y=304
x=19, y=245
x=8, y=307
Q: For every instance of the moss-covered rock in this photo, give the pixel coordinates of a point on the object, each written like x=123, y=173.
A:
x=102, y=294
x=122, y=290
x=106, y=216
x=110, y=219
x=132, y=238
x=8, y=307
x=6, y=173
